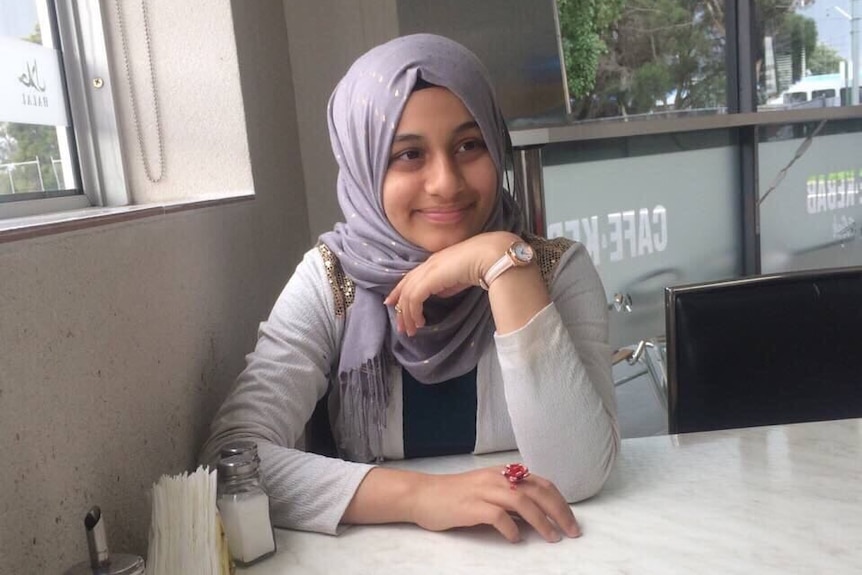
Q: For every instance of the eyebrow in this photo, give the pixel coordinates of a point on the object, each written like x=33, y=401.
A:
x=468, y=125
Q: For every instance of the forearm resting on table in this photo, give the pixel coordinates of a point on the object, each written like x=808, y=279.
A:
x=384, y=496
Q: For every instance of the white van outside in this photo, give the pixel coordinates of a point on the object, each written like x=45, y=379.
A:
x=820, y=90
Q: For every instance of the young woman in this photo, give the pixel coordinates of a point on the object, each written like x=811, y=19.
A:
x=430, y=324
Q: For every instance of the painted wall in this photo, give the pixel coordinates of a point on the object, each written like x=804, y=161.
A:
x=326, y=36
x=197, y=93
x=117, y=343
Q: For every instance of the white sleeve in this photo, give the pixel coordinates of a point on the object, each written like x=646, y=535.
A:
x=274, y=397
x=558, y=384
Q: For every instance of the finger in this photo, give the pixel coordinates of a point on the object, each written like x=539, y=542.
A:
x=499, y=519
x=399, y=322
x=393, y=296
x=406, y=316
x=552, y=503
x=411, y=302
x=523, y=504
x=417, y=312
x=397, y=312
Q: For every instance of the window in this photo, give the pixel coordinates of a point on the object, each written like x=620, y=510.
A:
x=642, y=57
x=805, y=57
x=36, y=151
x=50, y=113
x=810, y=212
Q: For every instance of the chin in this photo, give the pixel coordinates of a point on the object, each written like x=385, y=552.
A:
x=440, y=241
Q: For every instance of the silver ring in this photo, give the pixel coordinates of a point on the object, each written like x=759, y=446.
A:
x=397, y=308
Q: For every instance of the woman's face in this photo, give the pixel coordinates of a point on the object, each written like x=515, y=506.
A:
x=441, y=184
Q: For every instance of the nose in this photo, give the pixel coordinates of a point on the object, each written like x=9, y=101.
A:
x=444, y=178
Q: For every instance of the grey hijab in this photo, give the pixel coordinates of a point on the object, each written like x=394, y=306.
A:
x=363, y=113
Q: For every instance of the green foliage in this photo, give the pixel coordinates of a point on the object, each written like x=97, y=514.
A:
x=27, y=143
x=802, y=32
x=582, y=25
x=662, y=53
x=643, y=56
x=651, y=82
x=824, y=60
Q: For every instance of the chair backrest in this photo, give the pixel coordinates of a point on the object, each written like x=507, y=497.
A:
x=765, y=350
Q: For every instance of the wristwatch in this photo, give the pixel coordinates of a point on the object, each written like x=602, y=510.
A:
x=519, y=254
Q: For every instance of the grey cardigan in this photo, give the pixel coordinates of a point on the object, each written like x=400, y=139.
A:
x=545, y=389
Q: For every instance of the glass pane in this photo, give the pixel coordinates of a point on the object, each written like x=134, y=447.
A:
x=805, y=57
x=525, y=68
x=36, y=158
x=810, y=206
x=652, y=211
x=643, y=57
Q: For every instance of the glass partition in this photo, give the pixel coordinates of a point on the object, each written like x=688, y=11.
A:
x=652, y=211
x=805, y=56
x=810, y=208
x=517, y=42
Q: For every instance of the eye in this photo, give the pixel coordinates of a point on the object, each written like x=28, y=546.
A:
x=471, y=145
x=408, y=155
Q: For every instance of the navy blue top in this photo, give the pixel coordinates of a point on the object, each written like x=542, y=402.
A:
x=439, y=419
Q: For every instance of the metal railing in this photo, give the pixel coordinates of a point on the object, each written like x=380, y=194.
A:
x=12, y=167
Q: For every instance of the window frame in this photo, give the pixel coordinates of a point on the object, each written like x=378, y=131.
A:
x=94, y=126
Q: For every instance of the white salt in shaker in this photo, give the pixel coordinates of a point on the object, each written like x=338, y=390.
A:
x=244, y=508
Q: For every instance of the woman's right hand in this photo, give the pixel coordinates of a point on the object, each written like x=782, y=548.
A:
x=480, y=497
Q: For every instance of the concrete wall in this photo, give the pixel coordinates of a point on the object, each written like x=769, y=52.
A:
x=118, y=342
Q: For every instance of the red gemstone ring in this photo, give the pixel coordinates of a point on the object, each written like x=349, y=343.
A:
x=515, y=473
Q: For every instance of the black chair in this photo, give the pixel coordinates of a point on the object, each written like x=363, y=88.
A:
x=765, y=350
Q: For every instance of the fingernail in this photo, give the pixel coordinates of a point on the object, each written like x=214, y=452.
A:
x=574, y=531
x=555, y=538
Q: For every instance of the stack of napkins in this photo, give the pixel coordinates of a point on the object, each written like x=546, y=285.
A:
x=186, y=535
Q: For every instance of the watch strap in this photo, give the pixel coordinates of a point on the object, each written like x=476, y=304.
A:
x=496, y=270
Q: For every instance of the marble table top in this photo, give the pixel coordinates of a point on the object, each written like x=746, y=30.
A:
x=779, y=499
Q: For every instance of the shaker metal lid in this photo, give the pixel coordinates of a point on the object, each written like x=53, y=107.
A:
x=238, y=448
x=238, y=465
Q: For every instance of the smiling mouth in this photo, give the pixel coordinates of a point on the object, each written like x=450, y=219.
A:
x=445, y=215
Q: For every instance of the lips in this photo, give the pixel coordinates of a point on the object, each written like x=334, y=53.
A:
x=444, y=215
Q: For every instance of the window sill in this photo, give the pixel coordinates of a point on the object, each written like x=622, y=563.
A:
x=14, y=229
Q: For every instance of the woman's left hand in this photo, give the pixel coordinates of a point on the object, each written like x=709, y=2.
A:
x=444, y=274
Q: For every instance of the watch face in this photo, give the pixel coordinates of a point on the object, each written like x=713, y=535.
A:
x=523, y=252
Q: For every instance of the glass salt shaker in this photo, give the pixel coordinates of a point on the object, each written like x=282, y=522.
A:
x=240, y=448
x=244, y=508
